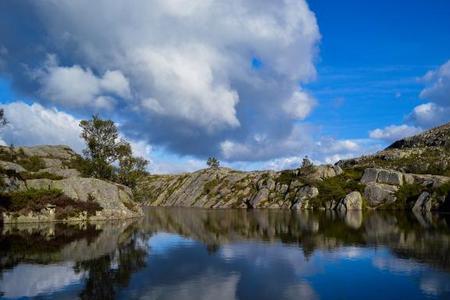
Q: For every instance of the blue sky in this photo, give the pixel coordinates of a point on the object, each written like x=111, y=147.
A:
x=266, y=84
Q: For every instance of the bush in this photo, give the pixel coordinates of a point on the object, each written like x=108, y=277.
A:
x=35, y=200
x=407, y=195
x=443, y=190
x=336, y=188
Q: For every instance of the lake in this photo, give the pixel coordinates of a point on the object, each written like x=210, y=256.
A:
x=182, y=253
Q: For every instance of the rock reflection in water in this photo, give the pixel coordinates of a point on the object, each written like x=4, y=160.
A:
x=180, y=253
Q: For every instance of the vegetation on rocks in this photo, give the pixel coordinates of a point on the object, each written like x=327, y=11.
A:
x=36, y=200
x=336, y=188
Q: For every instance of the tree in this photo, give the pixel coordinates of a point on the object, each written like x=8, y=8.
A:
x=131, y=168
x=101, y=140
x=3, y=120
x=306, y=163
x=213, y=162
x=105, y=151
x=307, y=166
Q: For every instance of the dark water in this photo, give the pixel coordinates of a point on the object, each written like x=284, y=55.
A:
x=231, y=254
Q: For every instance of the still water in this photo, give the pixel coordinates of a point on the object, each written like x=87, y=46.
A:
x=176, y=253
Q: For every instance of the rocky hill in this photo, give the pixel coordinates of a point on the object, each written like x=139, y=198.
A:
x=42, y=183
x=413, y=173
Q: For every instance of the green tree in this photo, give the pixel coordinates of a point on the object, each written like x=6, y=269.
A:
x=3, y=120
x=105, y=151
x=213, y=162
x=131, y=168
x=101, y=137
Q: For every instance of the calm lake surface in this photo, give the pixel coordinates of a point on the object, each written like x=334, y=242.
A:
x=180, y=253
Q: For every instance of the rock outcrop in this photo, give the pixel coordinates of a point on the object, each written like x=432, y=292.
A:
x=50, y=167
x=226, y=188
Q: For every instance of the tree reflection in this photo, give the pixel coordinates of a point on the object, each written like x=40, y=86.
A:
x=110, y=272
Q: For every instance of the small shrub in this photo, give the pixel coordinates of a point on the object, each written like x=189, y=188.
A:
x=35, y=200
x=406, y=195
x=443, y=190
x=209, y=186
x=286, y=177
x=336, y=188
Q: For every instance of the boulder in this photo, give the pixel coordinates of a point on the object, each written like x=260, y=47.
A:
x=370, y=175
x=49, y=151
x=261, y=196
x=352, y=201
x=390, y=177
x=423, y=203
x=303, y=196
x=378, y=193
x=10, y=166
x=325, y=171
x=373, y=175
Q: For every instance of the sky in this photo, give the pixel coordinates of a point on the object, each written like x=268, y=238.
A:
x=259, y=84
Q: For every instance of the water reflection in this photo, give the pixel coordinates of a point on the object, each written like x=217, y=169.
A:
x=179, y=253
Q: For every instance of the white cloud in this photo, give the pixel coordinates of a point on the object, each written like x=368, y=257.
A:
x=433, y=113
x=299, y=105
x=394, y=132
x=179, y=67
x=438, y=85
x=429, y=115
x=77, y=87
x=36, y=125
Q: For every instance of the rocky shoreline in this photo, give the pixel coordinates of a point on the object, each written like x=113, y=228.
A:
x=43, y=183
x=411, y=174
x=48, y=171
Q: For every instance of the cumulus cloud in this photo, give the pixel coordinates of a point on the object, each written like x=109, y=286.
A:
x=437, y=92
x=438, y=85
x=394, y=132
x=429, y=115
x=34, y=124
x=77, y=87
x=299, y=105
x=178, y=73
